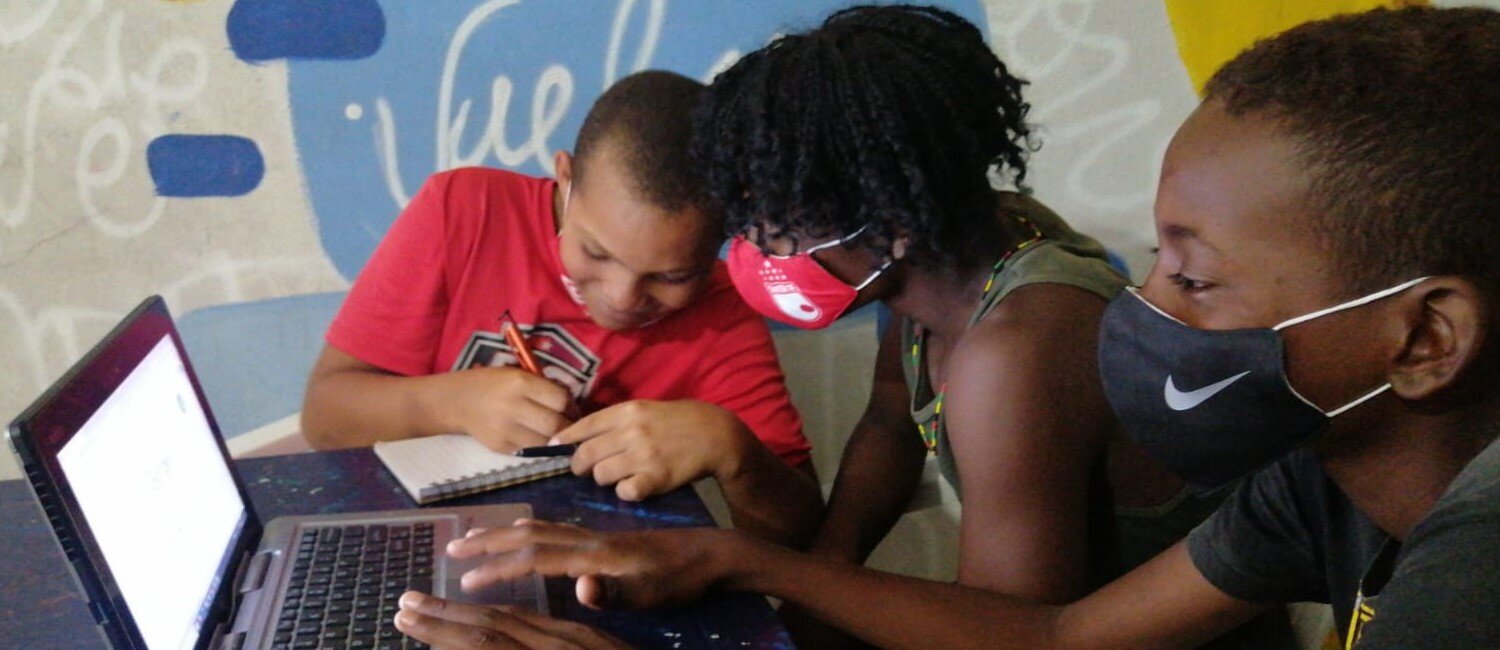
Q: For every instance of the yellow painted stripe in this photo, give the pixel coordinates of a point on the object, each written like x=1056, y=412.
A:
x=1211, y=32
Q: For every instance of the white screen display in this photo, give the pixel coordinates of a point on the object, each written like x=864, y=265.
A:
x=155, y=490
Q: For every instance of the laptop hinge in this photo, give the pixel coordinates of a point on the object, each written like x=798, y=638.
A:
x=230, y=641
x=253, y=573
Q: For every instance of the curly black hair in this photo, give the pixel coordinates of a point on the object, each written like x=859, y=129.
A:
x=886, y=117
x=646, y=120
x=1397, y=119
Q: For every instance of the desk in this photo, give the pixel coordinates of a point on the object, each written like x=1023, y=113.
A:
x=41, y=607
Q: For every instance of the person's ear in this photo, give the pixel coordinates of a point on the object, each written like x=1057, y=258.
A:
x=562, y=162
x=1445, y=323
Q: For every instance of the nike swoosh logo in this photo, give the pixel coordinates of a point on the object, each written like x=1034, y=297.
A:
x=1182, y=401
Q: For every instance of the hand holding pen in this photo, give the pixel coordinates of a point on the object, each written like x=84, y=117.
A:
x=528, y=363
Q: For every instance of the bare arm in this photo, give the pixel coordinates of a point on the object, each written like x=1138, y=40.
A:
x=880, y=468
x=1028, y=422
x=1164, y=603
x=878, y=475
x=350, y=403
x=647, y=447
x=1023, y=453
x=769, y=498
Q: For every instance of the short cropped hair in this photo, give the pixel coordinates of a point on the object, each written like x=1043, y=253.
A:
x=886, y=118
x=1396, y=114
x=645, y=121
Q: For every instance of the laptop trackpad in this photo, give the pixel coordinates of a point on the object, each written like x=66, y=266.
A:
x=521, y=592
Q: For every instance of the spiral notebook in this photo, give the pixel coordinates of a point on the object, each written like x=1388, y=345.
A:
x=442, y=467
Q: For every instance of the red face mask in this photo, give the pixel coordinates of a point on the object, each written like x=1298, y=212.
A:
x=793, y=289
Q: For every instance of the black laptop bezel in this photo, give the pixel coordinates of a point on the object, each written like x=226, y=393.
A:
x=41, y=431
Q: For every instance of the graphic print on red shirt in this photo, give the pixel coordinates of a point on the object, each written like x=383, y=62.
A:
x=476, y=242
x=563, y=358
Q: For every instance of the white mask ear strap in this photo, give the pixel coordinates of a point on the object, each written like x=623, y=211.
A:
x=872, y=277
x=1352, y=303
x=1136, y=291
x=567, y=196
x=836, y=242
x=1368, y=396
x=1357, y=401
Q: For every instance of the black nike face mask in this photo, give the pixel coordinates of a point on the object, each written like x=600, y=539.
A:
x=1210, y=405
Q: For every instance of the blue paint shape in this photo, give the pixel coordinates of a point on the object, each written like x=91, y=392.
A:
x=265, y=30
x=204, y=165
x=366, y=130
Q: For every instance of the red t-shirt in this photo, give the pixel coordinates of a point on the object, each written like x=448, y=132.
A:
x=476, y=242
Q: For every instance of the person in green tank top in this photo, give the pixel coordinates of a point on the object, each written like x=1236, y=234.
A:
x=859, y=163
x=1322, y=318
x=854, y=165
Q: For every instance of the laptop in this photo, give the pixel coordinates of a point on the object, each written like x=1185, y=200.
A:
x=127, y=462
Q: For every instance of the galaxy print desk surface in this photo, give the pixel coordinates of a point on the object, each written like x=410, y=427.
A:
x=41, y=607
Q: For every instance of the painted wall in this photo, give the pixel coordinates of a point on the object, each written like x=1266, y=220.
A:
x=232, y=152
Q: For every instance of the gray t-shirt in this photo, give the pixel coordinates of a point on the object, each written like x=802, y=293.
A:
x=1289, y=534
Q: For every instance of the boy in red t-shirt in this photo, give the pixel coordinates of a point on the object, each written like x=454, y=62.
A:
x=611, y=274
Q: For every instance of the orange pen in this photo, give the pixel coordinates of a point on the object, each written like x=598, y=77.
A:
x=517, y=343
x=528, y=362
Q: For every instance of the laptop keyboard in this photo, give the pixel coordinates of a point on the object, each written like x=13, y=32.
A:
x=345, y=584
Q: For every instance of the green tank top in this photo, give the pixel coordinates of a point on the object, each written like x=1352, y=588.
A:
x=1120, y=538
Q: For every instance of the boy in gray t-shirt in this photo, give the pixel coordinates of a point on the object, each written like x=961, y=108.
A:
x=1289, y=534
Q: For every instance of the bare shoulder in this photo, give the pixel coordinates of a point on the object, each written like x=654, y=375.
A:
x=1030, y=367
x=1044, y=323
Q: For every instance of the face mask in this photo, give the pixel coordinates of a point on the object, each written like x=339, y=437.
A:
x=1210, y=405
x=793, y=289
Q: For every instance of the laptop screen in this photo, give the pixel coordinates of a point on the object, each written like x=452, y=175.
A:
x=150, y=480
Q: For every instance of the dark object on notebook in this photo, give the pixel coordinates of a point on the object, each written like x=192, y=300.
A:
x=547, y=450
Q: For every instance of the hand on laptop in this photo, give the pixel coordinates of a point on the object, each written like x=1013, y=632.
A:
x=445, y=624
x=507, y=408
x=634, y=570
x=648, y=447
